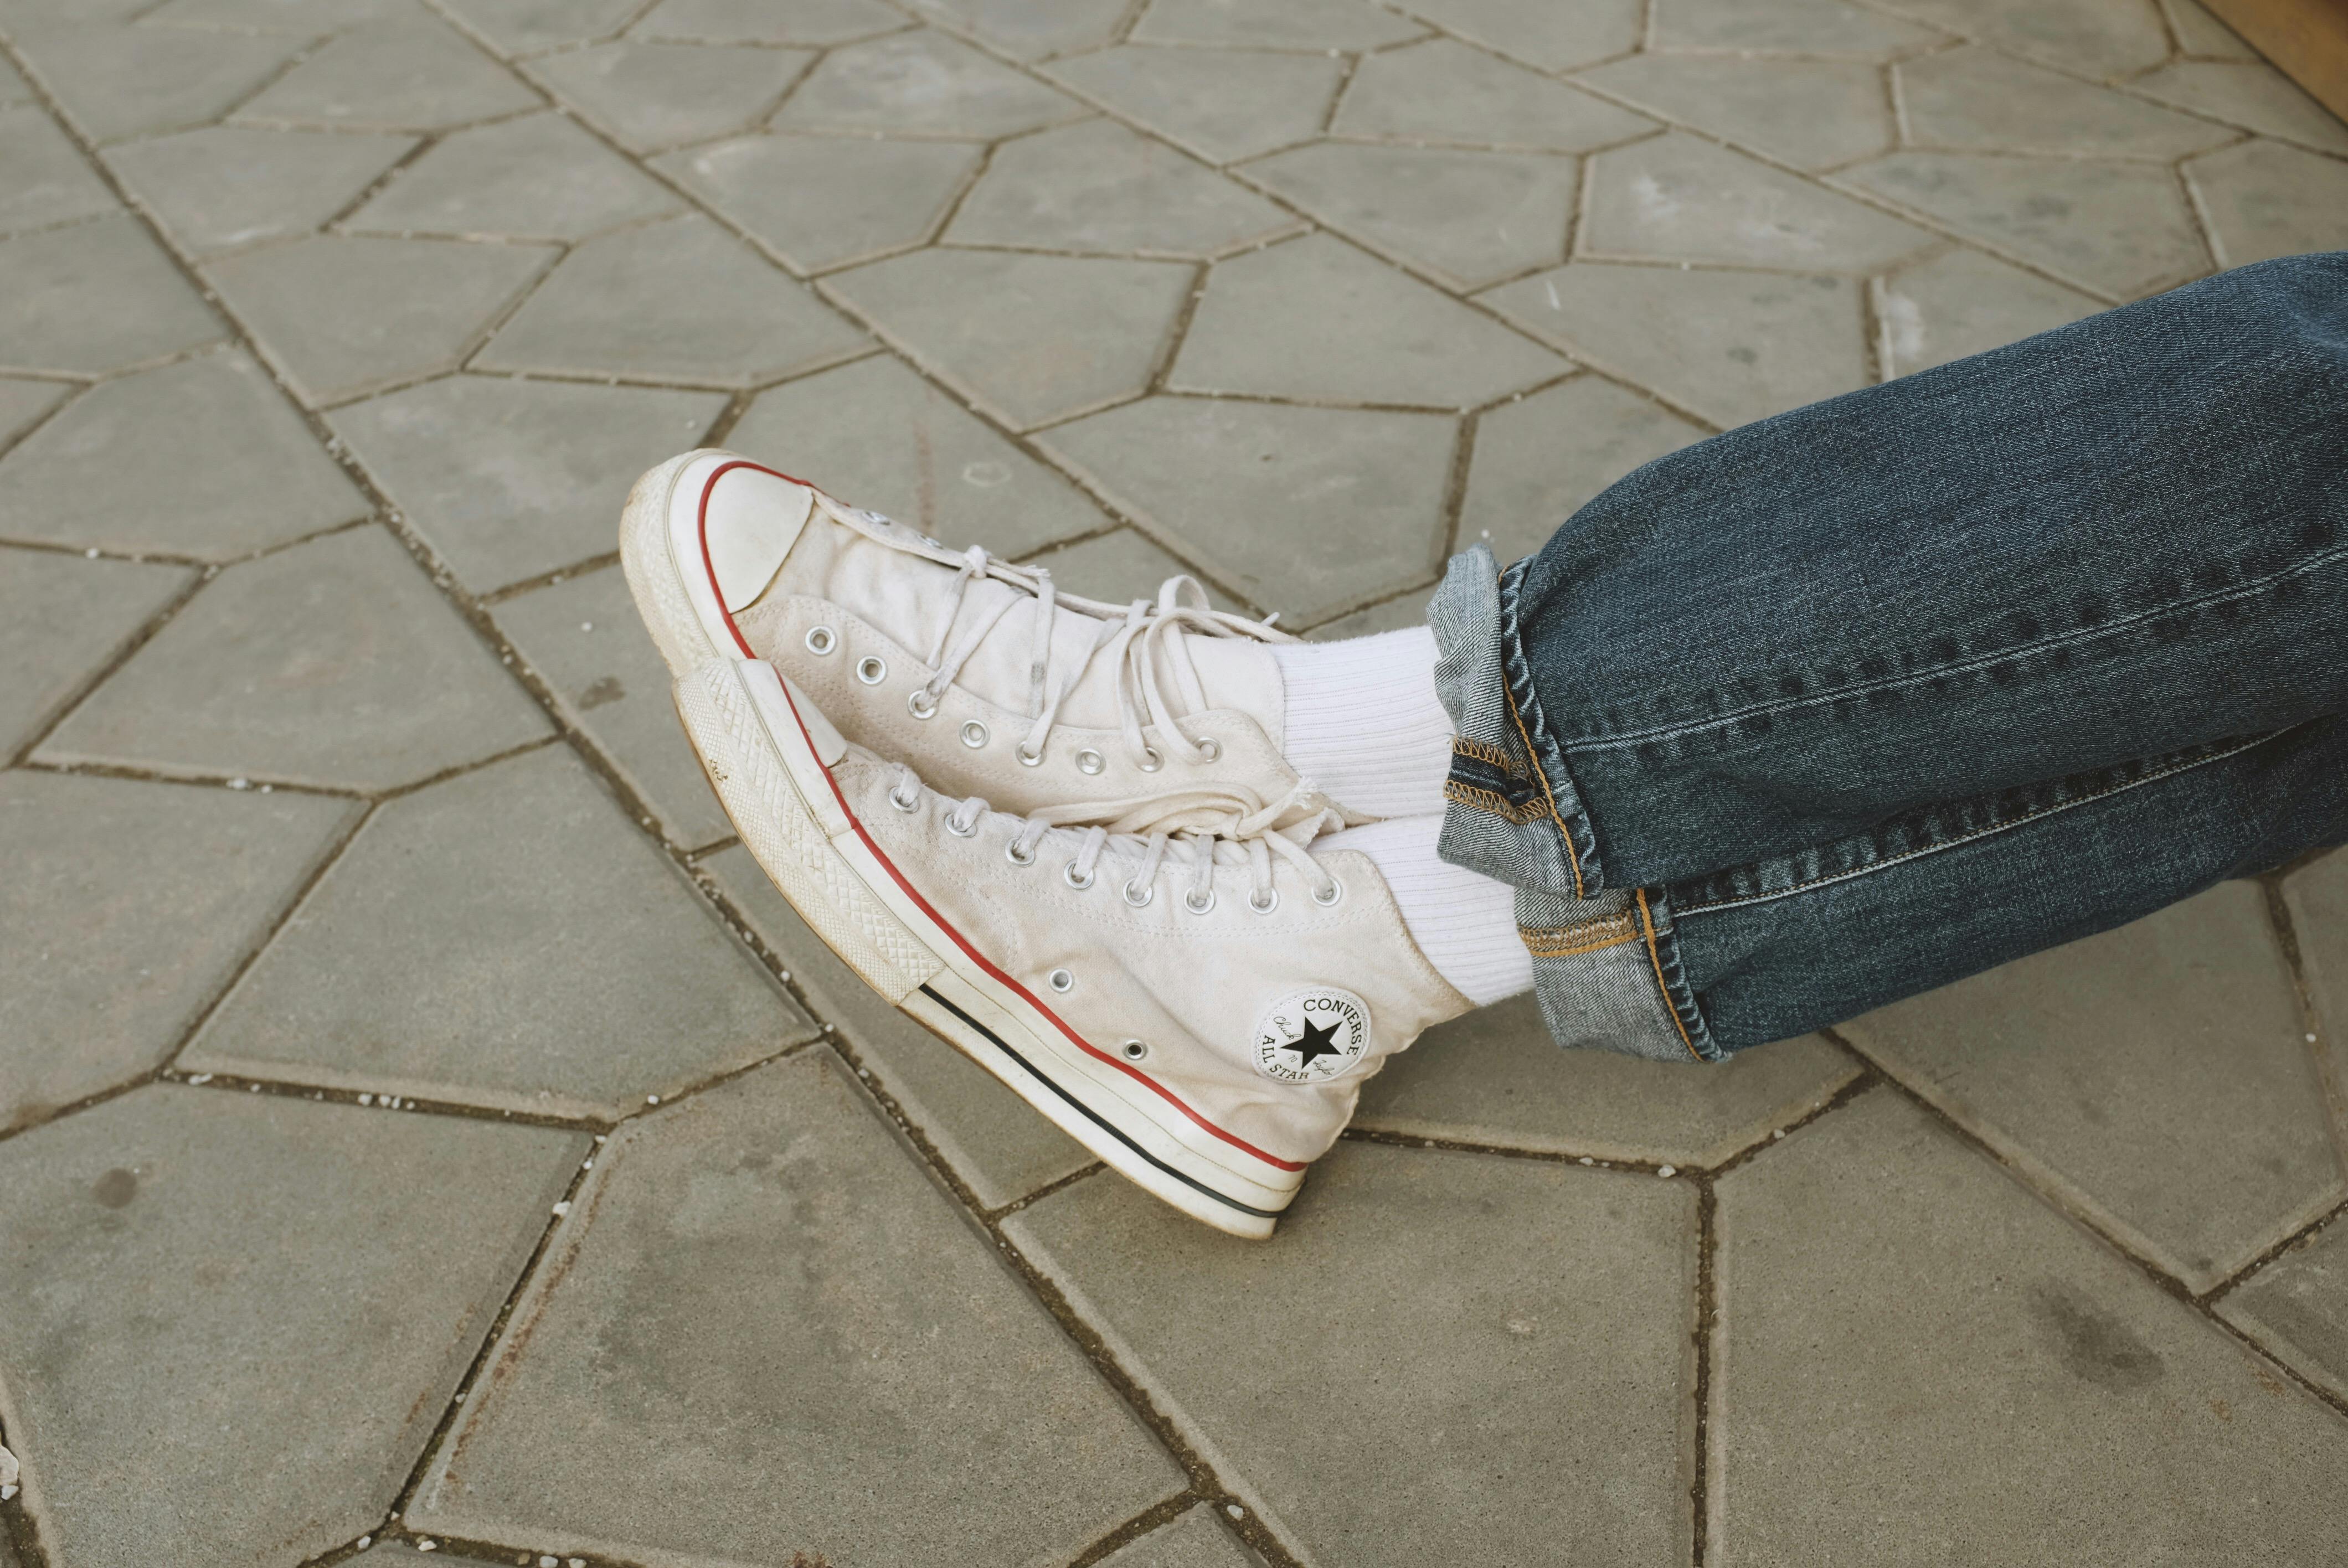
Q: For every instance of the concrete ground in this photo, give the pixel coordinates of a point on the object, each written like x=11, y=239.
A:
x=421, y=1129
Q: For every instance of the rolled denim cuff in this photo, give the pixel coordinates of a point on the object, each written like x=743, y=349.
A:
x=1605, y=963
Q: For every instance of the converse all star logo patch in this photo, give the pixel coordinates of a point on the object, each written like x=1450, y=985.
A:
x=1311, y=1035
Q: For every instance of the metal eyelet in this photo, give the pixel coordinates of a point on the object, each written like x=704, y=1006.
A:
x=1090, y=761
x=1133, y=1051
x=1191, y=902
x=1147, y=894
x=1011, y=852
x=1068, y=875
x=821, y=640
x=961, y=829
x=1061, y=981
x=1336, y=891
x=1151, y=760
x=873, y=670
x=1028, y=759
x=974, y=734
x=905, y=803
x=1211, y=749
x=921, y=704
x=1270, y=901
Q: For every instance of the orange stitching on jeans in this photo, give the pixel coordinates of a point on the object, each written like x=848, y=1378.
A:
x=1573, y=854
x=1582, y=936
x=1656, y=959
x=1487, y=800
x=1492, y=756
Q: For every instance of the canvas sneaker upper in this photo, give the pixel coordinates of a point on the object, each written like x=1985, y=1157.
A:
x=983, y=674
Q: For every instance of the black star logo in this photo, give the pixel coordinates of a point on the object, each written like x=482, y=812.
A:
x=1313, y=1044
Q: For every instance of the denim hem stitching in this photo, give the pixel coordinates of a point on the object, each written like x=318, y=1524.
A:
x=1565, y=806
x=1962, y=667
x=1673, y=982
x=1690, y=912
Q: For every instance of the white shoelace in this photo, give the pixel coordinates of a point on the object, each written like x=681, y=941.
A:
x=1187, y=830
x=1143, y=641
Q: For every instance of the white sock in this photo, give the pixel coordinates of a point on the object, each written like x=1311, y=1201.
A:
x=1363, y=722
x=1463, y=922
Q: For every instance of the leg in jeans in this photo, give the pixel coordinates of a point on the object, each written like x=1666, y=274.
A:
x=1859, y=699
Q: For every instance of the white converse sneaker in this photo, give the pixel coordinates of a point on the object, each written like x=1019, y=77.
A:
x=979, y=673
x=1187, y=990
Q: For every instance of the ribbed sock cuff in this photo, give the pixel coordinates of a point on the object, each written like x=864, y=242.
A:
x=1363, y=722
x=1463, y=922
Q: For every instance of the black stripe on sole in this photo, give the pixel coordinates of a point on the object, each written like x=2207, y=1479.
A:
x=1092, y=1116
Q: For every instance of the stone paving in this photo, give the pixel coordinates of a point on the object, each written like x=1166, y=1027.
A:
x=423, y=1130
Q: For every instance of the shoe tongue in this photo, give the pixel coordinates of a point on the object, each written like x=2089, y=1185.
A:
x=888, y=574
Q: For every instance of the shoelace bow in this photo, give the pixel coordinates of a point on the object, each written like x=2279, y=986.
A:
x=1142, y=641
x=1194, y=829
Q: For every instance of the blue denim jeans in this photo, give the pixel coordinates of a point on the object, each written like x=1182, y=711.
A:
x=1859, y=700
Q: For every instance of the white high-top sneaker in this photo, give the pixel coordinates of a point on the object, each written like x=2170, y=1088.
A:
x=979, y=673
x=1187, y=989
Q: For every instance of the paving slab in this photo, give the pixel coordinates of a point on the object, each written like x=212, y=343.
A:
x=1222, y=104
x=2154, y=1076
x=43, y=179
x=62, y=620
x=95, y=297
x=1388, y=615
x=2118, y=228
x=1910, y=1349
x=1193, y=1541
x=119, y=82
x=1964, y=302
x=811, y=21
x=1813, y=114
x=920, y=83
x=294, y=19
x=1495, y=1077
x=879, y=435
x=200, y=459
x=2255, y=96
x=2317, y=897
x=342, y=315
x=927, y=1409
x=652, y=95
x=1443, y=91
x=227, y=186
x=822, y=202
x=678, y=301
x=511, y=479
x=1731, y=347
x=1003, y=1147
x=1826, y=30
x=128, y=906
x=206, y=1276
x=584, y=636
x=2297, y=1307
x=1408, y=1372
x=24, y=403
x=1537, y=461
x=2201, y=36
x=537, y=178
x=1471, y=219
x=1974, y=99
x=1359, y=493
x=2097, y=39
x=1061, y=334
x=1028, y=29
x=1098, y=189
x=1682, y=198
x=1119, y=568
x=1329, y=25
x=505, y=939
x=334, y=663
x=2265, y=200
x=526, y=24
x=1317, y=319
x=408, y=72
x=1547, y=37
